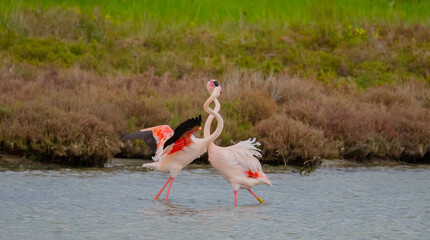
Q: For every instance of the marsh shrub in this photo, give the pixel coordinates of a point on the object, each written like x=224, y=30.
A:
x=243, y=104
x=77, y=117
x=292, y=141
x=55, y=136
x=384, y=122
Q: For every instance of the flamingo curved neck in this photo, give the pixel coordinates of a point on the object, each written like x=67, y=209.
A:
x=208, y=123
x=220, y=124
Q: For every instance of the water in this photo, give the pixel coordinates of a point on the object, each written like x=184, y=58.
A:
x=116, y=203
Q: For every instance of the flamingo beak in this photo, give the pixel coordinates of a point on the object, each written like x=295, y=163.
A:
x=215, y=82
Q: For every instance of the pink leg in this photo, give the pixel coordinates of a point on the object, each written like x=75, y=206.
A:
x=162, y=189
x=235, y=198
x=255, y=195
x=168, y=190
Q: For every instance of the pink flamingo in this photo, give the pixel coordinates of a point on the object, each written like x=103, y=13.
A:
x=176, y=149
x=238, y=163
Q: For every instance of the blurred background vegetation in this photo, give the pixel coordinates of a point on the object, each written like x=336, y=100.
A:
x=335, y=79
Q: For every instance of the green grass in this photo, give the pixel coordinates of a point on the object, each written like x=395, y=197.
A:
x=171, y=13
x=367, y=55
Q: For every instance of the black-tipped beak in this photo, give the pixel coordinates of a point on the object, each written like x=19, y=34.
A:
x=216, y=83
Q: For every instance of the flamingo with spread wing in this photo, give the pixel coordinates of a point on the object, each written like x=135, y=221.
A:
x=238, y=163
x=176, y=149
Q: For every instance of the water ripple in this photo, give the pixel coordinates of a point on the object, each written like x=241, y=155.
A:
x=116, y=203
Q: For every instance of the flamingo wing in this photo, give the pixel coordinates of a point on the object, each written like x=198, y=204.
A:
x=182, y=135
x=163, y=140
x=245, y=154
x=154, y=137
x=180, y=138
x=145, y=135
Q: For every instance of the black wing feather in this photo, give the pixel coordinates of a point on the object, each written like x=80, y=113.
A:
x=183, y=128
x=147, y=136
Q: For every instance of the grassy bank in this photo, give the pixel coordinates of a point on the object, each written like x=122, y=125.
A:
x=177, y=13
x=305, y=78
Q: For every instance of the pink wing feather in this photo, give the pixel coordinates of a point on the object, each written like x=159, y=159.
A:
x=161, y=134
x=246, y=153
x=163, y=140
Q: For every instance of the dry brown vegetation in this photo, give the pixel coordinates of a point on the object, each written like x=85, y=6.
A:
x=72, y=81
x=75, y=117
x=389, y=122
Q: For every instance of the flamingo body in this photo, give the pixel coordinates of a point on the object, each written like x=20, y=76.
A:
x=238, y=164
x=174, y=162
x=175, y=149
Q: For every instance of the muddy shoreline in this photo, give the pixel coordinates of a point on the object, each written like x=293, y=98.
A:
x=16, y=161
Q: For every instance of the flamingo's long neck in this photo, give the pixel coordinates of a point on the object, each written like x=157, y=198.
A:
x=220, y=121
x=208, y=123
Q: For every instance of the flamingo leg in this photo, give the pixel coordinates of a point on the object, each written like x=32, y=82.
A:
x=168, y=190
x=235, y=198
x=162, y=189
x=255, y=195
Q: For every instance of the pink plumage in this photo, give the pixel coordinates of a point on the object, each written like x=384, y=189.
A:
x=174, y=151
x=238, y=164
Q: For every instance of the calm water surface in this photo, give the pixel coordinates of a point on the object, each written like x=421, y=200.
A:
x=116, y=203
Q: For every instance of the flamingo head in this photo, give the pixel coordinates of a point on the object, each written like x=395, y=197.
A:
x=211, y=85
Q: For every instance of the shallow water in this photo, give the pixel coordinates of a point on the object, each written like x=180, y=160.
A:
x=116, y=203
